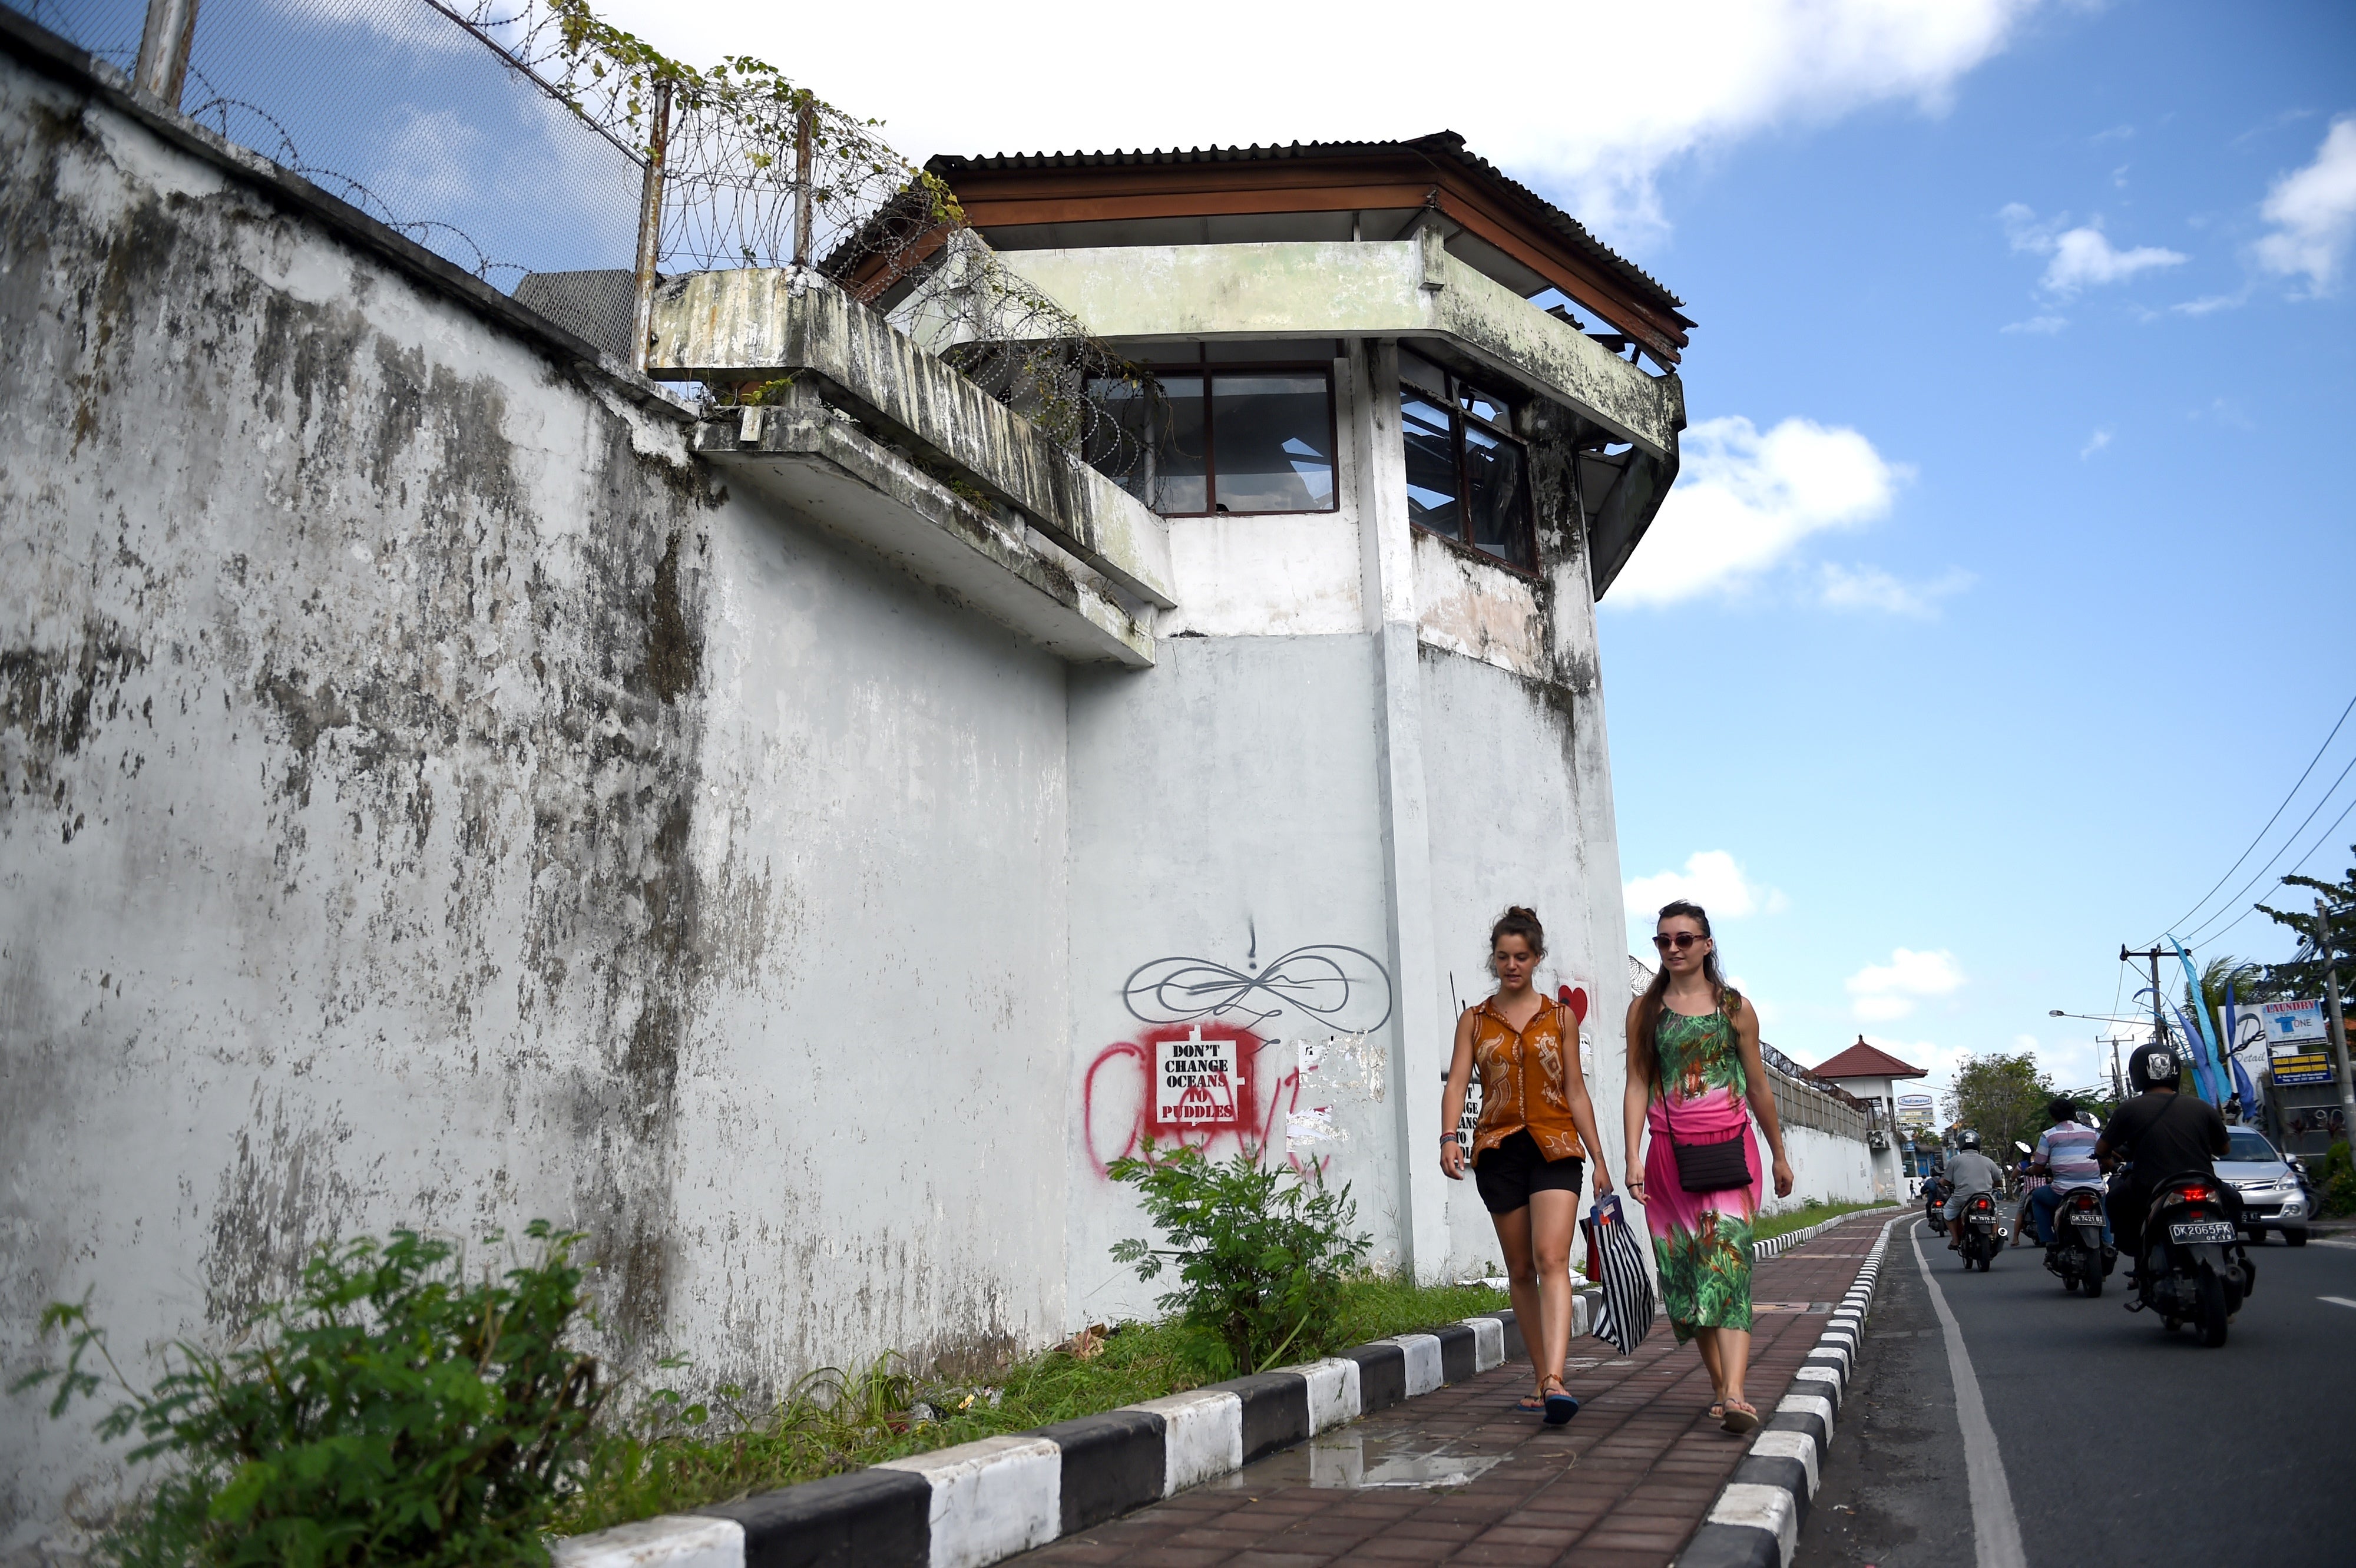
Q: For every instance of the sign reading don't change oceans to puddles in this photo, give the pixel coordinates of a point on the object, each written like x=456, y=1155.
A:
x=1196, y=1081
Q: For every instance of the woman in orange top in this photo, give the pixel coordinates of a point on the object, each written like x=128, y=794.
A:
x=1536, y=1129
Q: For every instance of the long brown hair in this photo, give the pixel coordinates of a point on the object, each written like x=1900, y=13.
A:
x=1644, y=1049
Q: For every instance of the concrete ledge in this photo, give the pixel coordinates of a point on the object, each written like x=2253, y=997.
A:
x=981, y=1502
x=755, y=322
x=829, y=473
x=1111, y=1463
x=990, y=1500
x=1755, y=1520
x=878, y=1516
x=673, y=1540
x=1460, y=1352
x=1275, y=1411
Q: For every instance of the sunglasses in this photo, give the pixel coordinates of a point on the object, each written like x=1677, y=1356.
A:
x=1678, y=939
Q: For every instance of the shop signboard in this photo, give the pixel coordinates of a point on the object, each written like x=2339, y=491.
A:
x=2290, y=1023
x=2292, y=1065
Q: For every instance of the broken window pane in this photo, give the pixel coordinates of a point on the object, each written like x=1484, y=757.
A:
x=1497, y=500
x=1274, y=442
x=1483, y=406
x=1430, y=462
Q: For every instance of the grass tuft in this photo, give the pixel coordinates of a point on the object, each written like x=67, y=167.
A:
x=1816, y=1211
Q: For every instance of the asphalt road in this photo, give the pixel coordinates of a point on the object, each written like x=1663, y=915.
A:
x=2118, y=1441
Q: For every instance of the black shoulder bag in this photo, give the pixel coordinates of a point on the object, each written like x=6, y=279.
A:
x=1710, y=1167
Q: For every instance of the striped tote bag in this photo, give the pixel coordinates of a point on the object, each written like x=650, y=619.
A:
x=1626, y=1312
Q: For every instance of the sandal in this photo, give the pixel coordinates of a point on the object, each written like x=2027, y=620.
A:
x=1531, y=1404
x=1560, y=1406
x=1740, y=1418
x=1718, y=1409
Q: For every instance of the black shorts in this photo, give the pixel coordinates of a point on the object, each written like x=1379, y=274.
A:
x=1509, y=1173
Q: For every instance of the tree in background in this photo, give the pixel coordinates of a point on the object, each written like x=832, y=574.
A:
x=2303, y=976
x=2249, y=981
x=2002, y=1097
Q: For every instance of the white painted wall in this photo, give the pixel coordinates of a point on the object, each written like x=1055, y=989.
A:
x=434, y=800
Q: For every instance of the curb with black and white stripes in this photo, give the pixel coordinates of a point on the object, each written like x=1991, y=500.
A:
x=1755, y=1522
x=981, y=1502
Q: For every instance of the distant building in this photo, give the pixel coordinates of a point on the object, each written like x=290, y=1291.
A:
x=1872, y=1074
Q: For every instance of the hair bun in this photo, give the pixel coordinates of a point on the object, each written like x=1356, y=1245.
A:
x=1524, y=910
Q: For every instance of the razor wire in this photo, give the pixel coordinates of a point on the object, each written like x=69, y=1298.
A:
x=512, y=138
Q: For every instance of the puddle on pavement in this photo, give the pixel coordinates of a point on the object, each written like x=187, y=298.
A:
x=1354, y=1460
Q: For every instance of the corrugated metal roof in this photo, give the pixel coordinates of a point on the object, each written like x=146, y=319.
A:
x=1440, y=144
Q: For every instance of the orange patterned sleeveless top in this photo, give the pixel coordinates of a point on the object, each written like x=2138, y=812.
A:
x=1525, y=1079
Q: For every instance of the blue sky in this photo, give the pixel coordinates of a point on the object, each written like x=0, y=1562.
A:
x=2011, y=399
x=2006, y=590
x=2122, y=518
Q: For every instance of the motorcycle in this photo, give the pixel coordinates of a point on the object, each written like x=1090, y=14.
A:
x=1934, y=1208
x=2194, y=1268
x=2077, y=1255
x=1983, y=1231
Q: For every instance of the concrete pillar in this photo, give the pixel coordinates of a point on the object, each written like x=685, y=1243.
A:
x=1419, y=1027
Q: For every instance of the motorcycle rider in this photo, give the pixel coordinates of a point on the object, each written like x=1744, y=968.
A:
x=2065, y=1156
x=1969, y=1173
x=2160, y=1133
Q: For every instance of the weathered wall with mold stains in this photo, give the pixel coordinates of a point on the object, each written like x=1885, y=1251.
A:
x=426, y=798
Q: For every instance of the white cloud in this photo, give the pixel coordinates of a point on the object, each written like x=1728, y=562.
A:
x=1744, y=500
x=1712, y=878
x=2082, y=257
x=2313, y=212
x=2038, y=325
x=2094, y=443
x=1550, y=103
x=1884, y=992
x=1872, y=588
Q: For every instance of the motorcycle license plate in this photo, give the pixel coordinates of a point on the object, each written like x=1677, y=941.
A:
x=2185, y=1230
x=2087, y=1221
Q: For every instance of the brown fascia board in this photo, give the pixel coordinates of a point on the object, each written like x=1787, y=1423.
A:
x=1435, y=172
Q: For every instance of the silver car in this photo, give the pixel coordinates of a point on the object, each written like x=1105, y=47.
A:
x=2273, y=1198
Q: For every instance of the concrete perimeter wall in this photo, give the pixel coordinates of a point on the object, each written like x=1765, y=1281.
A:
x=429, y=800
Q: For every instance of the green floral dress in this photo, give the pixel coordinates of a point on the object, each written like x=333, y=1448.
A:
x=1701, y=1240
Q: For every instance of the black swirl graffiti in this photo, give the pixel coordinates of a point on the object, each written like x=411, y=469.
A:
x=1317, y=980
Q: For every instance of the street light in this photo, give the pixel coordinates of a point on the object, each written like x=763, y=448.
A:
x=2096, y=1017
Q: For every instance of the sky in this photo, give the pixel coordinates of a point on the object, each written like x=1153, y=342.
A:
x=1994, y=612
x=2006, y=589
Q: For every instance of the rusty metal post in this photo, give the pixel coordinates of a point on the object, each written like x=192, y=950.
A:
x=650, y=200
x=164, y=43
x=804, y=123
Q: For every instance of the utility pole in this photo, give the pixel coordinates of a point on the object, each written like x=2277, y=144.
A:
x=2158, y=1017
x=2339, y=1025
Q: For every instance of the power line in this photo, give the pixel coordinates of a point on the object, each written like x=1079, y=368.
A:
x=2286, y=800
x=2297, y=866
x=2269, y=865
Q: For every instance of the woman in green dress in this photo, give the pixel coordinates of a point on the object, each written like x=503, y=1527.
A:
x=1694, y=1080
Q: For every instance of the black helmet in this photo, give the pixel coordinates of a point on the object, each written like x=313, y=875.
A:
x=1967, y=1139
x=2152, y=1065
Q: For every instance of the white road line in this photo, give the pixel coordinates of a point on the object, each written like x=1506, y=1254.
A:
x=1996, y=1529
x=2336, y=1300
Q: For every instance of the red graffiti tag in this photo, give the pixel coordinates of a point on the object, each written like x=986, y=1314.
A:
x=1119, y=1106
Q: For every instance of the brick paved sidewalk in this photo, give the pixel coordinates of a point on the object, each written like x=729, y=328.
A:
x=1622, y=1487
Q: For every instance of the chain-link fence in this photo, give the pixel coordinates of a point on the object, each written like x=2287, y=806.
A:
x=513, y=138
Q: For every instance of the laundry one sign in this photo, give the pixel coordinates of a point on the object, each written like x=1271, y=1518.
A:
x=1196, y=1082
